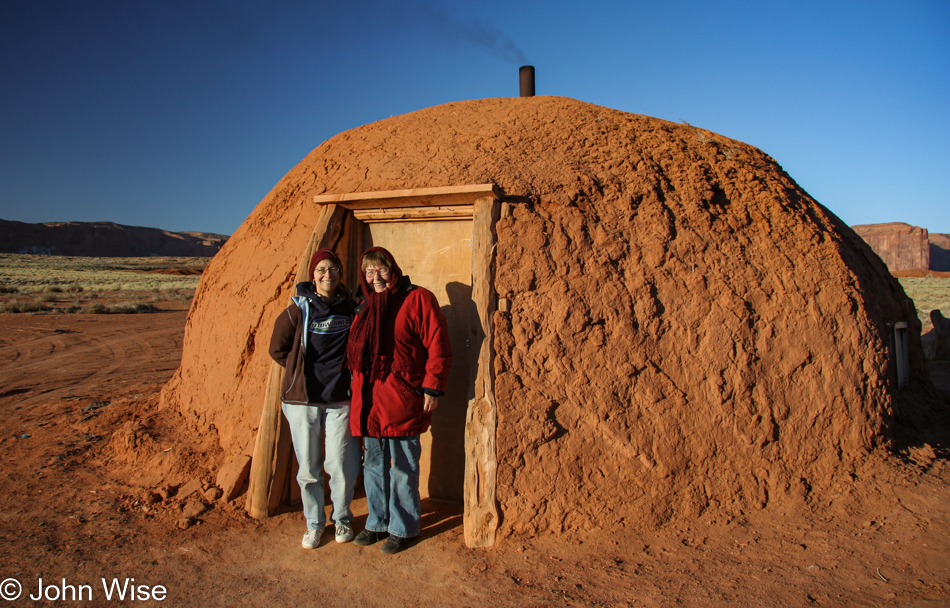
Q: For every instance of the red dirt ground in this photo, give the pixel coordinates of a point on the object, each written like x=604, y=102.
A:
x=937, y=274
x=83, y=437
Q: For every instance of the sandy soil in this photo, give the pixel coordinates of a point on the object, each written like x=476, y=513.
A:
x=78, y=396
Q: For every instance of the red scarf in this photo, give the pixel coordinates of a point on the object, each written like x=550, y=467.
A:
x=362, y=350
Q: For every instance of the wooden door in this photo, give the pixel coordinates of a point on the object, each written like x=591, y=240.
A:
x=437, y=255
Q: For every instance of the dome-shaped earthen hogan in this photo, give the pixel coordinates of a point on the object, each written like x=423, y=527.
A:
x=686, y=329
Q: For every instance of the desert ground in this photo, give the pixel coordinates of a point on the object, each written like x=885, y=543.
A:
x=81, y=505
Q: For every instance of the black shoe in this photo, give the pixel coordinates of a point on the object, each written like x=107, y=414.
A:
x=395, y=544
x=368, y=537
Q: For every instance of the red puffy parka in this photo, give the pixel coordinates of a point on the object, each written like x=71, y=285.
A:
x=414, y=336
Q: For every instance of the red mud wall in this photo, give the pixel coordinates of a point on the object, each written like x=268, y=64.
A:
x=672, y=349
x=685, y=328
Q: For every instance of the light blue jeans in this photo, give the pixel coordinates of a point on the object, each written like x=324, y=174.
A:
x=341, y=460
x=391, y=479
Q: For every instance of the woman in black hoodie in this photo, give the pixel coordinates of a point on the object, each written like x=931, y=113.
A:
x=309, y=341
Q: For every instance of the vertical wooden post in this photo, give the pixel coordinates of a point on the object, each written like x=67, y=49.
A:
x=265, y=447
x=480, y=519
x=283, y=453
x=272, y=448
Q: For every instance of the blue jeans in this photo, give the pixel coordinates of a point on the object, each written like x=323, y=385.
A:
x=391, y=479
x=341, y=460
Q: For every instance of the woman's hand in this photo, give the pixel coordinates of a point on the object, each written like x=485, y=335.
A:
x=429, y=403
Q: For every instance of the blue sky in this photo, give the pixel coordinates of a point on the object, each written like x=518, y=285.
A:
x=182, y=115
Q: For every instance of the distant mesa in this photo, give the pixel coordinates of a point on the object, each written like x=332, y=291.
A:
x=905, y=247
x=940, y=252
x=104, y=239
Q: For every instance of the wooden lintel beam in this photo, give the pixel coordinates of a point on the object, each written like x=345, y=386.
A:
x=409, y=214
x=415, y=197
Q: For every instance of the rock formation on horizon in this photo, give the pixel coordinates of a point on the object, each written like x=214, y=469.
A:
x=939, y=251
x=104, y=239
x=906, y=247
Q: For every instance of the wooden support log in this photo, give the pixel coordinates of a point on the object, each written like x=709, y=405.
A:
x=480, y=519
x=283, y=454
x=272, y=447
x=265, y=446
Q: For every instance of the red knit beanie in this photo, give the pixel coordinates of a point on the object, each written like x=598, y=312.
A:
x=320, y=255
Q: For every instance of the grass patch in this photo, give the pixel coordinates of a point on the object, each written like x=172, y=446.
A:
x=35, y=273
x=928, y=293
x=67, y=284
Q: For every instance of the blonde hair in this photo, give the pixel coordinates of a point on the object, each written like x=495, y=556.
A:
x=375, y=258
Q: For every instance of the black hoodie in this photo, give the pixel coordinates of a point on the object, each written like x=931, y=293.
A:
x=328, y=324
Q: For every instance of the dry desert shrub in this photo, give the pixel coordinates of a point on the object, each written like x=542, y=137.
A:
x=131, y=308
x=19, y=306
x=96, y=308
x=179, y=294
x=92, y=308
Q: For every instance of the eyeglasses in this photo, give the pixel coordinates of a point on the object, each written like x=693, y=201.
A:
x=331, y=270
x=371, y=272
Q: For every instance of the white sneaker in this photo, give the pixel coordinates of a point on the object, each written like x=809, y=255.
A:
x=344, y=533
x=311, y=538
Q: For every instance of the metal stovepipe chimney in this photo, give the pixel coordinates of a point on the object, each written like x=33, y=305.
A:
x=526, y=76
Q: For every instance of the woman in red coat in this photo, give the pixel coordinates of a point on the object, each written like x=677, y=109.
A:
x=399, y=354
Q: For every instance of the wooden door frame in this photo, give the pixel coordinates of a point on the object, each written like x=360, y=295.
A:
x=480, y=203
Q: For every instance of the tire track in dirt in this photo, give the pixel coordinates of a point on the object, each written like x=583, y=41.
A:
x=21, y=341
x=9, y=352
x=79, y=356
x=50, y=363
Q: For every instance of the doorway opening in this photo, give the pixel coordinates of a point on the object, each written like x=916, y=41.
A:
x=444, y=240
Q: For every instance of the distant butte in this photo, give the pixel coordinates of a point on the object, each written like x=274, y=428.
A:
x=104, y=239
x=906, y=247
